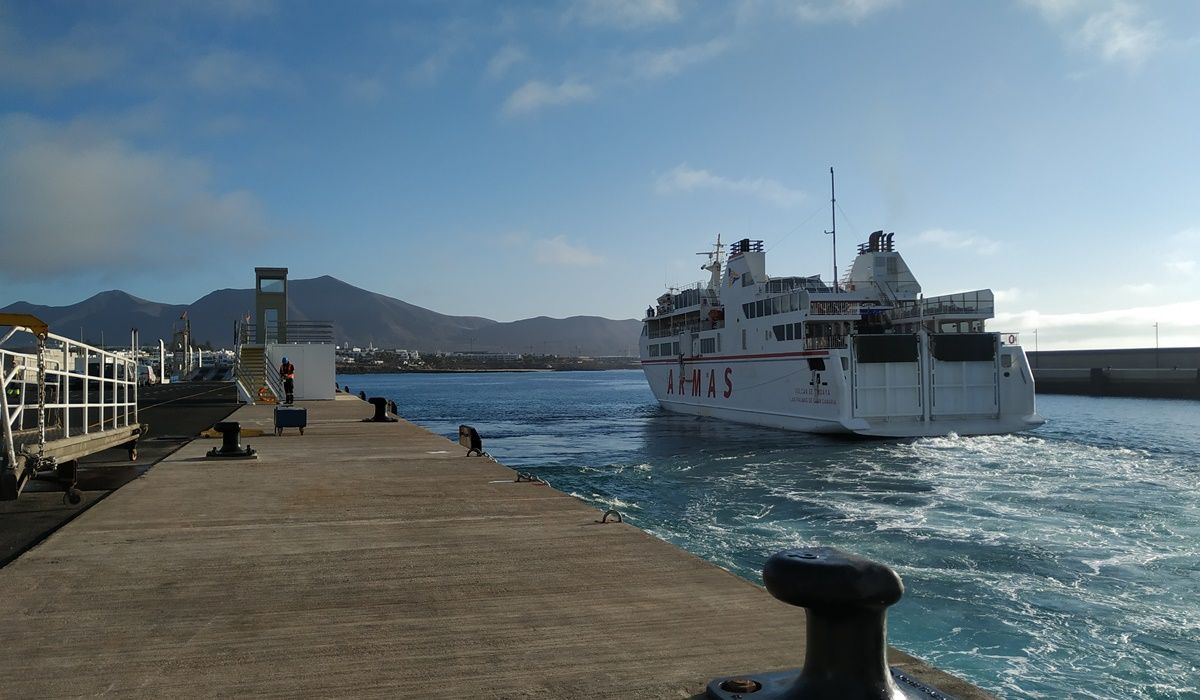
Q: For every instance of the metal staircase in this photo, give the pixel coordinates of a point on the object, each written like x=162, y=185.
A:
x=251, y=374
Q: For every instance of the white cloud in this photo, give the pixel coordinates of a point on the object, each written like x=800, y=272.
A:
x=557, y=251
x=820, y=11
x=651, y=65
x=77, y=58
x=1004, y=296
x=535, y=94
x=1055, y=10
x=1181, y=257
x=1179, y=325
x=363, y=89
x=1140, y=289
x=1120, y=36
x=625, y=14
x=503, y=60
x=447, y=43
x=955, y=240
x=73, y=199
x=1112, y=29
x=227, y=71
x=683, y=178
x=240, y=9
x=429, y=70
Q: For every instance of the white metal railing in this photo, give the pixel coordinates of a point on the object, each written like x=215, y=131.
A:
x=294, y=331
x=271, y=376
x=55, y=388
x=834, y=308
x=824, y=342
x=675, y=329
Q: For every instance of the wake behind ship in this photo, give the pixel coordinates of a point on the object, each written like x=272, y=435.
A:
x=869, y=356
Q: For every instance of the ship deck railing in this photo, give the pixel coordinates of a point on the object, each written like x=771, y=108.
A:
x=825, y=342
x=977, y=305
x=691, y=327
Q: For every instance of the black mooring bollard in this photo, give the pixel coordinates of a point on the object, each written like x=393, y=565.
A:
x=381, y=415
x=393, y=408
x=362, y=395
x=846, y=599
x=231, y=448
x=469, y=438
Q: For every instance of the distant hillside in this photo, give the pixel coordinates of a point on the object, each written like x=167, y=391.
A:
x=359, y=317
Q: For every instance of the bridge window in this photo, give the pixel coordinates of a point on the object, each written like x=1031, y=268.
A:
x=787, y=331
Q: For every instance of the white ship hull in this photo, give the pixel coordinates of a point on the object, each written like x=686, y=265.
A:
x=783, y=391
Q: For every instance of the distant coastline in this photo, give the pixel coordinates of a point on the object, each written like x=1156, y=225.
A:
x=546, y=364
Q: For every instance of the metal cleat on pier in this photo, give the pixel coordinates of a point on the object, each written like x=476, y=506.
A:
x=381, y=415
x=231, y=448
x=845, y=598
x=469, y=438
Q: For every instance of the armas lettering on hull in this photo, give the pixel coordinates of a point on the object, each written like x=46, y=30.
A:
x=694, y=383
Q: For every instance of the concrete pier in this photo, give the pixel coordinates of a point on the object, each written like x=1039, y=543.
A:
x=374, y=559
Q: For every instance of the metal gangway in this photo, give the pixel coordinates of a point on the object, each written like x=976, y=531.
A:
x=61, y=400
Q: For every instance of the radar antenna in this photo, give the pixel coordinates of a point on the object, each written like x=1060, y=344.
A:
x=715, y=259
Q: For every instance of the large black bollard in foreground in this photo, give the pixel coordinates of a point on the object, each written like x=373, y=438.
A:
x=231, y=448
x=381, y=415
x=846, y=599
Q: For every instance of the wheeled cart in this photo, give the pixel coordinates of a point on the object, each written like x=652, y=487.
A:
x=290, y=417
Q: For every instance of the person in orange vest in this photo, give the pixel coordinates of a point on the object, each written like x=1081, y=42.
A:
x=287, y=372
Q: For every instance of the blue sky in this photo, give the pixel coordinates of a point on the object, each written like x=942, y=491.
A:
x=510, y=160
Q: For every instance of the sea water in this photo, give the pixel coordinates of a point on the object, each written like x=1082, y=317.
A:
x=1063, y=562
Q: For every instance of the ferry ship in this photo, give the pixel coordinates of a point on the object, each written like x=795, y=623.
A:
x=867, y=355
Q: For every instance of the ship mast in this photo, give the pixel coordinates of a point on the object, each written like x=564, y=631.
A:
x=833, y=218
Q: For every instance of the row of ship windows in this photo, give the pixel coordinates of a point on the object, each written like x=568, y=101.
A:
x=775, y=305
x=708, y=346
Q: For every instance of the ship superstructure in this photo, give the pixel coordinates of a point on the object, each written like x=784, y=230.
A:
x=868, y=355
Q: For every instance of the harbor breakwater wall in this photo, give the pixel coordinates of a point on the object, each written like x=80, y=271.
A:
x=1147, y=372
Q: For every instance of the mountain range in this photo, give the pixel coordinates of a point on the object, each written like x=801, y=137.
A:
x=359, y=318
